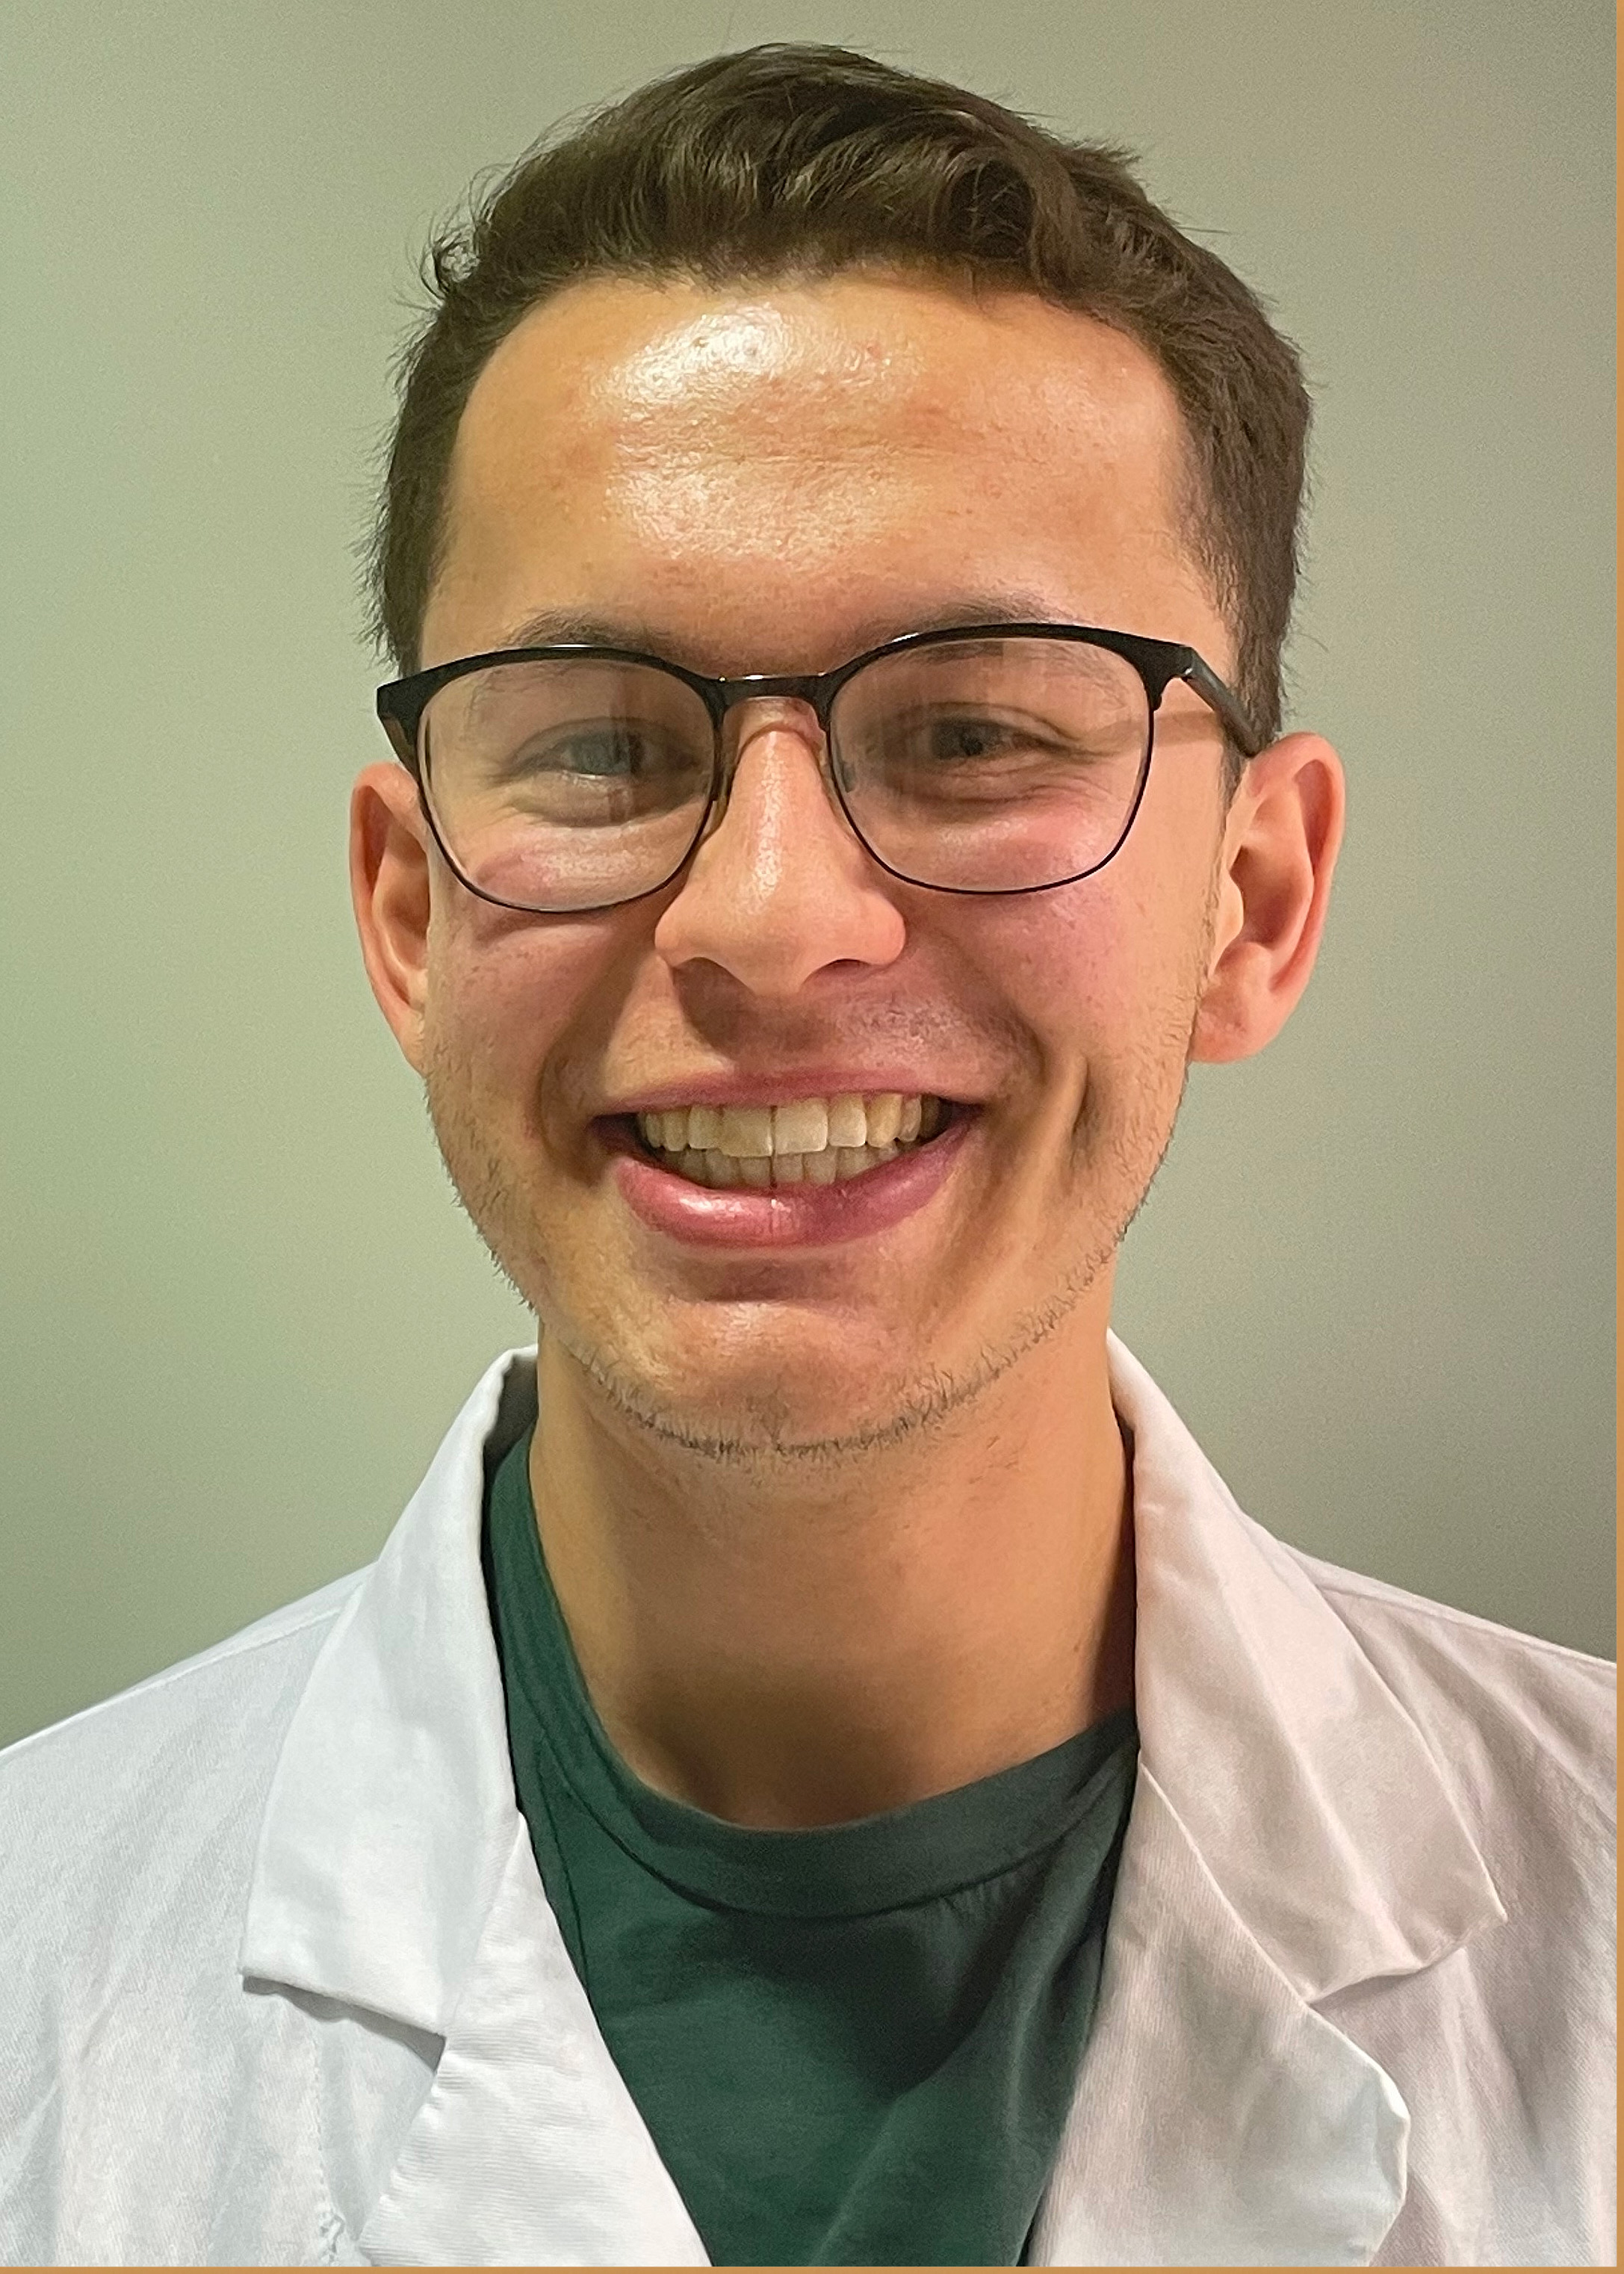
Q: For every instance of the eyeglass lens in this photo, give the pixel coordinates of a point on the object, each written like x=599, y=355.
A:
x=993, y=765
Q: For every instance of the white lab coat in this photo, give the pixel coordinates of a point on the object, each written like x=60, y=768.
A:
x=279, y=1984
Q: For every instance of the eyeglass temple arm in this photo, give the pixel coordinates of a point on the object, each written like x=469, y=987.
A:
x=400, y=741
x=1212, y=689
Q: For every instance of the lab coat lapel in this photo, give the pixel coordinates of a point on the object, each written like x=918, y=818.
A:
x=1218, y=2120
x=395, y=1873
x=529, y=2149
x=1291, y=1834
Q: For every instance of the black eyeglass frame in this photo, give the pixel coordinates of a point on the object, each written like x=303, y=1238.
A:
x=1159, y=663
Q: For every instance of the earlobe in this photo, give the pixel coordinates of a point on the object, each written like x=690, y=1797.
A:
x=389, y=888
x=1279, y=848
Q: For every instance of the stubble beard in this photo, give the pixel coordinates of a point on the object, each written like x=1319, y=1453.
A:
x=1118, y=1162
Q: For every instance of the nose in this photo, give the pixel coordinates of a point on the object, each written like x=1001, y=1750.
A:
x=780, y=887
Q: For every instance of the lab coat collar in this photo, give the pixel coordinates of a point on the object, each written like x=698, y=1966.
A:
x=391, y=1811
x=1305, y=1786
x=394, y=1872
x=1291, y=1834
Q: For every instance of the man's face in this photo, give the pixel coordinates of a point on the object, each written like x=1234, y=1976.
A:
x=771, y=481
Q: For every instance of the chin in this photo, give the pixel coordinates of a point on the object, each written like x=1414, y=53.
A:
x=756, y=1410
x=744, y=1403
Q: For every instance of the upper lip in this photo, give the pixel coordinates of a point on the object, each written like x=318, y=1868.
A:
x=777, y=1089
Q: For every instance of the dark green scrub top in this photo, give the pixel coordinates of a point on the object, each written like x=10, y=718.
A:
x=855, y=2045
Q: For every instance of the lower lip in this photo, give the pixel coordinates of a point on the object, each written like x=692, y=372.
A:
x=786, y=1216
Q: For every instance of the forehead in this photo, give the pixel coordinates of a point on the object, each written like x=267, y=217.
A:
x=855, y=443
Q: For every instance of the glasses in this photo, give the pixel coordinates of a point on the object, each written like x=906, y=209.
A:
x=1003, y=758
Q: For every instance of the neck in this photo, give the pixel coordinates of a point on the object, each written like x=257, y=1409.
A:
x=783, y=1648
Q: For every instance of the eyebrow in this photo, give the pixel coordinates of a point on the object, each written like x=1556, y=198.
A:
x=574, y=628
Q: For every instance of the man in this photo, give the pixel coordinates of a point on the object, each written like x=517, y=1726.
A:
x=823, y=1772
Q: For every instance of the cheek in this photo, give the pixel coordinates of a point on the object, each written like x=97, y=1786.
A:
x=505, y=994
x=1085, y=971
x=1101, y=988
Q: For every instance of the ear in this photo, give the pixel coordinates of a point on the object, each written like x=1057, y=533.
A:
x=389, y=864
x=1280, y=845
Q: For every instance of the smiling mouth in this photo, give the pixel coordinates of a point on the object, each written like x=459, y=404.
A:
x=813, y=1140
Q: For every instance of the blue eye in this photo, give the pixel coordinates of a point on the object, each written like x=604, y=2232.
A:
x=603, y=751
x=606, y=750
x=968, y=737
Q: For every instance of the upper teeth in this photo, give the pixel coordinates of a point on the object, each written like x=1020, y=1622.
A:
x=809, y=1125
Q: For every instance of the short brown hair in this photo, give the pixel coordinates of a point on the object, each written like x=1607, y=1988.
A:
x=790, y=162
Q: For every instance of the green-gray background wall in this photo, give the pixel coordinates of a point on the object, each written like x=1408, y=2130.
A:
x=237, y=1304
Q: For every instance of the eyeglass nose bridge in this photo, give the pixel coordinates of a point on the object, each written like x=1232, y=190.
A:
x=815, y=691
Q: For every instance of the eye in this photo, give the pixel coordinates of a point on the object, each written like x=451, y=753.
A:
x=608, y=750
x=961, y=735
